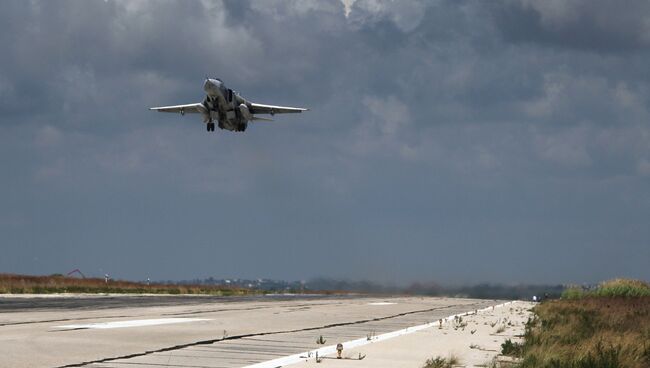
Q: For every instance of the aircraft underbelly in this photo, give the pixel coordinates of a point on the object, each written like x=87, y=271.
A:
x=229, y=125
x=228, y=121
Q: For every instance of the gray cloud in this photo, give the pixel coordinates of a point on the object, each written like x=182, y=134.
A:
x=453, y=141
x=601, y=26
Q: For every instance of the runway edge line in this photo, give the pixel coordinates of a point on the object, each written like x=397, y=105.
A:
x=329, y=350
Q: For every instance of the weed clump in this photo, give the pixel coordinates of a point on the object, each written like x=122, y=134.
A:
x=439, y=362
x=510, y=348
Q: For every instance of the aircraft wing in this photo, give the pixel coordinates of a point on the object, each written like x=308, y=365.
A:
x=182, y=109
x=256, y=108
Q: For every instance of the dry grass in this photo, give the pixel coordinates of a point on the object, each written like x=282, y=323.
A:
x=589, y=332
x=25, y=284
x=439, y=362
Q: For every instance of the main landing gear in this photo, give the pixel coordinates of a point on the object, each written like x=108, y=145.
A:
x=210, y=127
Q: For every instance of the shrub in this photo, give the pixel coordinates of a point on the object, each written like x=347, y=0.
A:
x=573, y=292
x=511, y=348
x=624, y=288
x=612, y=288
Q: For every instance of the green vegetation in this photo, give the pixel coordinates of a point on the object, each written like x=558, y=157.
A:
x=24, y=284
x=573, y=292
x=511, y=348
x=439, y=362
x=608, y=327
x=611, y=288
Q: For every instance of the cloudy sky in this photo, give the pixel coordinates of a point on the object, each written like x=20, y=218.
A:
x=455, y=141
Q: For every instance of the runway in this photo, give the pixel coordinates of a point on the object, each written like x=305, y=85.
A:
x=202, y=332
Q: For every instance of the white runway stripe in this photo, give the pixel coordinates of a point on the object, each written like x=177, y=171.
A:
x=381, y=303
x=328, y=350
x=134, y=323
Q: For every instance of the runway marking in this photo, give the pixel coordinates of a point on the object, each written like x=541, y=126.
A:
x=133, y=323
x=381, y=303
x=329, y=350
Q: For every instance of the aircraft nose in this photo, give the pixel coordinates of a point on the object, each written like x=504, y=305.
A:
x=211, y=85
x=207, y=85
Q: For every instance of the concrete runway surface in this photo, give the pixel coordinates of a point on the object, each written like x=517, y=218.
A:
x=199, y=332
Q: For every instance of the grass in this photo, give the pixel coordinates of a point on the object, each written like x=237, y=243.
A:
x=493, y=363
x=611, y=288
x=604, y=328
x=25, y=284
x=511, y=348
x=439, y=362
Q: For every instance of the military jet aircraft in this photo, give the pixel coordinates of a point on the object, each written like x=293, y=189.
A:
x=230, y=110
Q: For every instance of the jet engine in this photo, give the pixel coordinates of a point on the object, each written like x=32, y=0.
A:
x=244, y=117
x=245, y=113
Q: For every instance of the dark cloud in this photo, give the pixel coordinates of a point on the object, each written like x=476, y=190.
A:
x=600, y=26
x=455, y=141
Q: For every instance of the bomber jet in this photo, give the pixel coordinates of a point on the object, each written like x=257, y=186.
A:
x=229, y=109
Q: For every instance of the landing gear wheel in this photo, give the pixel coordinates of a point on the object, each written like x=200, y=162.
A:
x=210, y=127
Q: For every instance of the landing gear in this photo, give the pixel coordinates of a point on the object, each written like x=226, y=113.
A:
x=210, y=127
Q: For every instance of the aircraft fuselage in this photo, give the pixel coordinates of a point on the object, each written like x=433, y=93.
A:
x=226, y=106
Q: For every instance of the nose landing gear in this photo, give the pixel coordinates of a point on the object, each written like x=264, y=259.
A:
x=210, y=126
